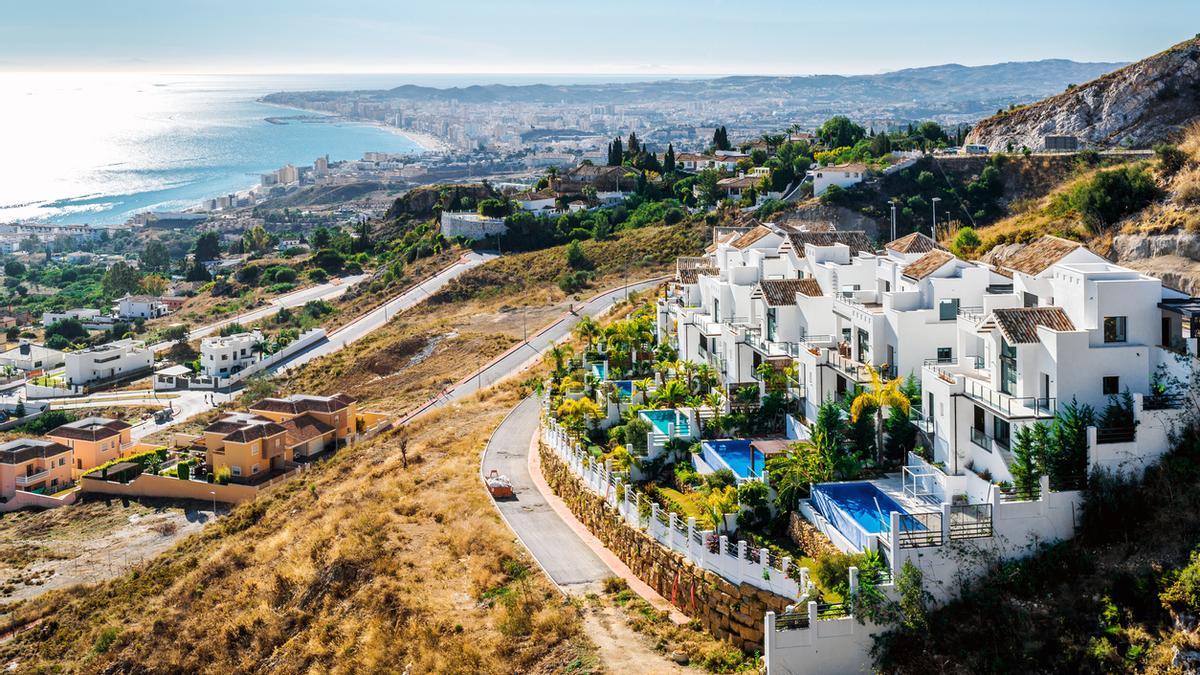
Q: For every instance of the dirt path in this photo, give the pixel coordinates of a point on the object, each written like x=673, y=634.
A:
x=620, y=648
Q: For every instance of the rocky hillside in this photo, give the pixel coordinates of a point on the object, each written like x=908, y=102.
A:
x=1144, y=103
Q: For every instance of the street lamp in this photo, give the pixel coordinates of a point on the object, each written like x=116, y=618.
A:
x=893, y=220
x=934, y=226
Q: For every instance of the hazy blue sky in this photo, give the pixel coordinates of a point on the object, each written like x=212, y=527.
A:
x=562, y=36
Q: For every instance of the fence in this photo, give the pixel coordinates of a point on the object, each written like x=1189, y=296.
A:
x=735, y=561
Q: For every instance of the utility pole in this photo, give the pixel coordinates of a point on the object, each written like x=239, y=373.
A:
x=934, y=226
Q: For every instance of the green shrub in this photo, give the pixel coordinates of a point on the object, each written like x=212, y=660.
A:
x=1108, y=196
x=1170, y=158
x=104, y=641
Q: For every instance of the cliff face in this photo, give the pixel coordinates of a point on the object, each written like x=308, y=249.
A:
x=1144, y=103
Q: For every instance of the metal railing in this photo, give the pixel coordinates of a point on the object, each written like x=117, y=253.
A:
x=830, y=610
x=1009, y=406
x=971, y=314
x=1116, y=435
x=918, y=530
x=792, y=621
x=1012, y=493
x=981, y=439
x=970, y=521
x=1163, y=402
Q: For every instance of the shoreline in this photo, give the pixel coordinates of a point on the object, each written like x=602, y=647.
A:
x=424, y=142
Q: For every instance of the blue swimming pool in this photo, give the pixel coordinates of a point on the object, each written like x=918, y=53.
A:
x=744, y=459
x=599, y=370
x=660, y=419
x=624, y=388
x=857, y=509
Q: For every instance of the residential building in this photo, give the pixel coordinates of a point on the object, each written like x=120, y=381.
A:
x=140, y=307
x=225, y=355
x=842, y=175
x=29, y=357
x=251, y=446
x=313, y=423
x=92, y=319
x=111, y=362
x=33, y=465
x=93, y=441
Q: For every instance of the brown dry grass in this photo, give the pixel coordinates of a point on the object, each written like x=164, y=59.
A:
x=362, y=565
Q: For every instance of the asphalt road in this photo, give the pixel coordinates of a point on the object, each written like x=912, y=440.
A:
x=378, y=317
x=327, y=291
x=556, y=547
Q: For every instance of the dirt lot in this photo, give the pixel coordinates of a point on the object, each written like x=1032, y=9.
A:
x=88, y=542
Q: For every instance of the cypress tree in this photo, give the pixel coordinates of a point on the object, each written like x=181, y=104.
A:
x=618, y=154
x=669, y=159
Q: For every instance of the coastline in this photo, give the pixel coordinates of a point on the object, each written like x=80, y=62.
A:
x=426, y=142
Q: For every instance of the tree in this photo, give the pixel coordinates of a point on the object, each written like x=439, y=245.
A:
x=616, y=152
x=69, y=329
x=1067, y=462
x=721, y=139
x=668, y=164
x=19, y=411
x=672, y=394
x=197, y=272
x=840, y=132
x=257, y=388
x=155, y=257
x=256, y=240
x=208, y=247
x=965, y=241
x=14, y=268
x=154, y=284
x=576, y=258
x=120, y=279
x=576, y=414
x=878, y=395
x=1030, y=451
x=587, y=330
x=794, y=471
x=320, y=238
x=633, y=146
x=829, y=441
x=715, y=507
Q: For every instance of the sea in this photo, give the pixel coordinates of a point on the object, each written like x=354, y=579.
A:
x=99, y=147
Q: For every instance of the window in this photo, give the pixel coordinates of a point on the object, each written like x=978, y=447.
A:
x=235, y=470
x=1000, y=431
x=1114, y=329
x=771, y=324
x=945, y=354
x=948, y=309
x=1008, y=367
x=1030, y=300
x=716, y=310
x=1112, y=385
x=864, y=346
x=254, y=449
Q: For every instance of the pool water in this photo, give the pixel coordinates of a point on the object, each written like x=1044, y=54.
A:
x=624, y=388
x=660, y=419
x=599, y=370
x=744, y=459
x=864, y=503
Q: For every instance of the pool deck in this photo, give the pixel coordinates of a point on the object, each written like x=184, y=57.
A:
x=892, y=485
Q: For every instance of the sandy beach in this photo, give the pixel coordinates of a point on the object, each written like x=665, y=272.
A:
x=427, y=142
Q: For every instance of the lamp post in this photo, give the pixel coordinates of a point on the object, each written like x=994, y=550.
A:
x=933, y=227
x=893, y=220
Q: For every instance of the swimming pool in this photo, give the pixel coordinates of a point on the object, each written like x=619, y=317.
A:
x=858, y=510
x=624, y=388
x=741, y=457
x=661, y=419
x=599, y=370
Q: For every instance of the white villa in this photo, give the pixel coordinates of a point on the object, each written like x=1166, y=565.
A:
x=842, y=175
x=223, y=356
x=122, y=359
x=995, y=347
x=140, y=307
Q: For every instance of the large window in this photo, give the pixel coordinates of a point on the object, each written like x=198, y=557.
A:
x=864, y=346
x=945, y=354
x=1008, y=367
x=1111, y=385
x=771, y=324
x=1114, y=329
x=1000, y=431
x=948, y=309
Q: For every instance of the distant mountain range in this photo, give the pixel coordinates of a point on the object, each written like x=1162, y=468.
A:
x=1144, y=103
x=934, y=86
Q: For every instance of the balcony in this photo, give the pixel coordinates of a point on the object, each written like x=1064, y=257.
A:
x=855, y=370
x=30, y=479
x=971, y=315
x=977, y=385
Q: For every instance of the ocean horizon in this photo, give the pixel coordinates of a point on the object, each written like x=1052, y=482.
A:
x=98, y=148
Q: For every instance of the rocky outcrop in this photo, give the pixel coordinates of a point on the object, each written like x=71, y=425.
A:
x=1144, y=103
x=731, y=612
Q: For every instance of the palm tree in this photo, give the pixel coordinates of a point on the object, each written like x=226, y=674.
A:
x=880, y=394
x=560, y=353
x=587, y=330
x=706, y=375
x=643, y=386
x=672, y=394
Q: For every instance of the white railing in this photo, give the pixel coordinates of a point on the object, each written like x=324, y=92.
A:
x=33, y=477
x=734, y=561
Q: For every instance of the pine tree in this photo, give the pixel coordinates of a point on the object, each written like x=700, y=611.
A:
x=1030, y=452
x=669, y=159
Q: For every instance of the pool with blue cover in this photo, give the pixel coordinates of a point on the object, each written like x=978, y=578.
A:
x=741, y=457
x=856, y=509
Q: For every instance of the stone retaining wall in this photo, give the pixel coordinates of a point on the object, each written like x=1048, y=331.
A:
x=727, y=611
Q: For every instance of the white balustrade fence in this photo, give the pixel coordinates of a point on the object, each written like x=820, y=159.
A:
x=736, y=562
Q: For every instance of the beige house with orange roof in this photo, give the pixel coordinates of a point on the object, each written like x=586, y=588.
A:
x=313, y=423
x=93, y=440
x=33, y=465
x=251, y=446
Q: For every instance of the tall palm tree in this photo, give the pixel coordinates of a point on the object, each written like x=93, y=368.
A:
x=560, y=353
x=672, y=394
x=587, y=330
x=880, y=394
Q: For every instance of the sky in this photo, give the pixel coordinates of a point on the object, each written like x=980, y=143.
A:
x=651, y=37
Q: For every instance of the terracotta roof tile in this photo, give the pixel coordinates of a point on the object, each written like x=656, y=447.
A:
x=751, y=237
x=927, y=264
x=916, y=242
x=304, y=428
x=693, y=275
x=855, y=239
x=1019, y=324
x=782, y=292
x=90, y=429
x=25, y=449
x=1038, y=256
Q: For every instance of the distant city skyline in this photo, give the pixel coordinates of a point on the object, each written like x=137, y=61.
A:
x=619, y=37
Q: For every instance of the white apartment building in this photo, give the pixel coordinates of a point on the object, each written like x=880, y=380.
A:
x=109, y=362
x=92, y=319
x=223, y=356
x=842, y=175
x=140, y=307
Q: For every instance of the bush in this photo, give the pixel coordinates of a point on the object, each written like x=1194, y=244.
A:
x=222, y=475
x=576, y=258
x=317, y=275
x=1109, y=196
x=720, y=479
x=572, y=282
x=1170, y=158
